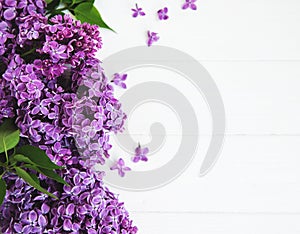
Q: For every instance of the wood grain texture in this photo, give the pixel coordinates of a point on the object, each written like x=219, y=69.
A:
x=157, y=223
x=252, y=51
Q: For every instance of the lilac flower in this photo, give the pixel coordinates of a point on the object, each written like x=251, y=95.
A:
x=4, y=34
x=94, y=90
x=91, y=128
x=120, y=166
x=152, y=37
x=119, y=80
x=33, y=33
x=137, y=11
x=56, y=51
x=190, y=4
x=40, y=107
x=31, y=222
x=85, y=205
x=39, y=88
x=162, y=14
x=54, y=113
x=140, y=154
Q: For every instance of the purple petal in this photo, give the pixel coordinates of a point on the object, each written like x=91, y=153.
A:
x=135, y=14
x=32, y=216
x=193, y=7
x=144, y=158
x=123, y=85
x=70, y=209
x=185, y=6
x=18, y=227
x=42, y=221
x=121, y=162
x=145, y=150
x=9, y=14
x=67, y=226
x=136, y=159
x=45, y=208
x=121, y=173
x=126, y=169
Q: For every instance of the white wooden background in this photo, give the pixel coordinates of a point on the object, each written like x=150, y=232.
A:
x=251, y=48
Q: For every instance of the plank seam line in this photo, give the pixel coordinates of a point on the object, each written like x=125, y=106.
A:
x=216, y=213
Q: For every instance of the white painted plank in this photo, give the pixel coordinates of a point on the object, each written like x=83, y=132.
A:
x=161, y=223
x=253, y=174
x=233, y=29
x=259, y=98
x=251, y=49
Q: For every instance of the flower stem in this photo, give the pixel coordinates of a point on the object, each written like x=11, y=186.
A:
x=2, y=175
x=62, y=9
x=29, y=52
x=5, y=150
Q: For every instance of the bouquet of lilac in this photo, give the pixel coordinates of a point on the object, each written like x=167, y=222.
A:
x=54, y=89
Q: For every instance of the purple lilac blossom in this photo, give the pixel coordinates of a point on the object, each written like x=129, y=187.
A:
x=190, y=4
x=140, y=154
x=120, y=166
x=162, y=14
x=56, y=90
x=119, y=80
x=152, y=37
x=84, y=207
x=137, y=11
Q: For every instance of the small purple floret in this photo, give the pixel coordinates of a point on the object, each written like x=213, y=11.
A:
x=119, y=80
x=162, y=14
x=120, y=166
x=138, y=11
x=140, y=154
x=189, y=4
x=152, y=37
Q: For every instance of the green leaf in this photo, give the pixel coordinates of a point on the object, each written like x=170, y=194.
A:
x=82, y=1
x=2, y=190
x=31, y=181
x=21, y=158
x=51, y=174
x=87, y=12
x=9, y=135
x=35, y=178
x=38, y=156
x=52, y=4
x=30, y=166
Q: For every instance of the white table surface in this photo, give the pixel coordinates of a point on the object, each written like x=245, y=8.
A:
x=252, y=51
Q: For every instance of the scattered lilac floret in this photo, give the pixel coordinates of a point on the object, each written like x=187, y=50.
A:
x=140, y=154
x=162, y=14
x=120, y=166
x=119, y=80
x=152, y=37
x=137, y=11
x=189, y=4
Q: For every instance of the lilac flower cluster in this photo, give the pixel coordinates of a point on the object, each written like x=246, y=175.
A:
x=84, y=207
x=55, y=88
